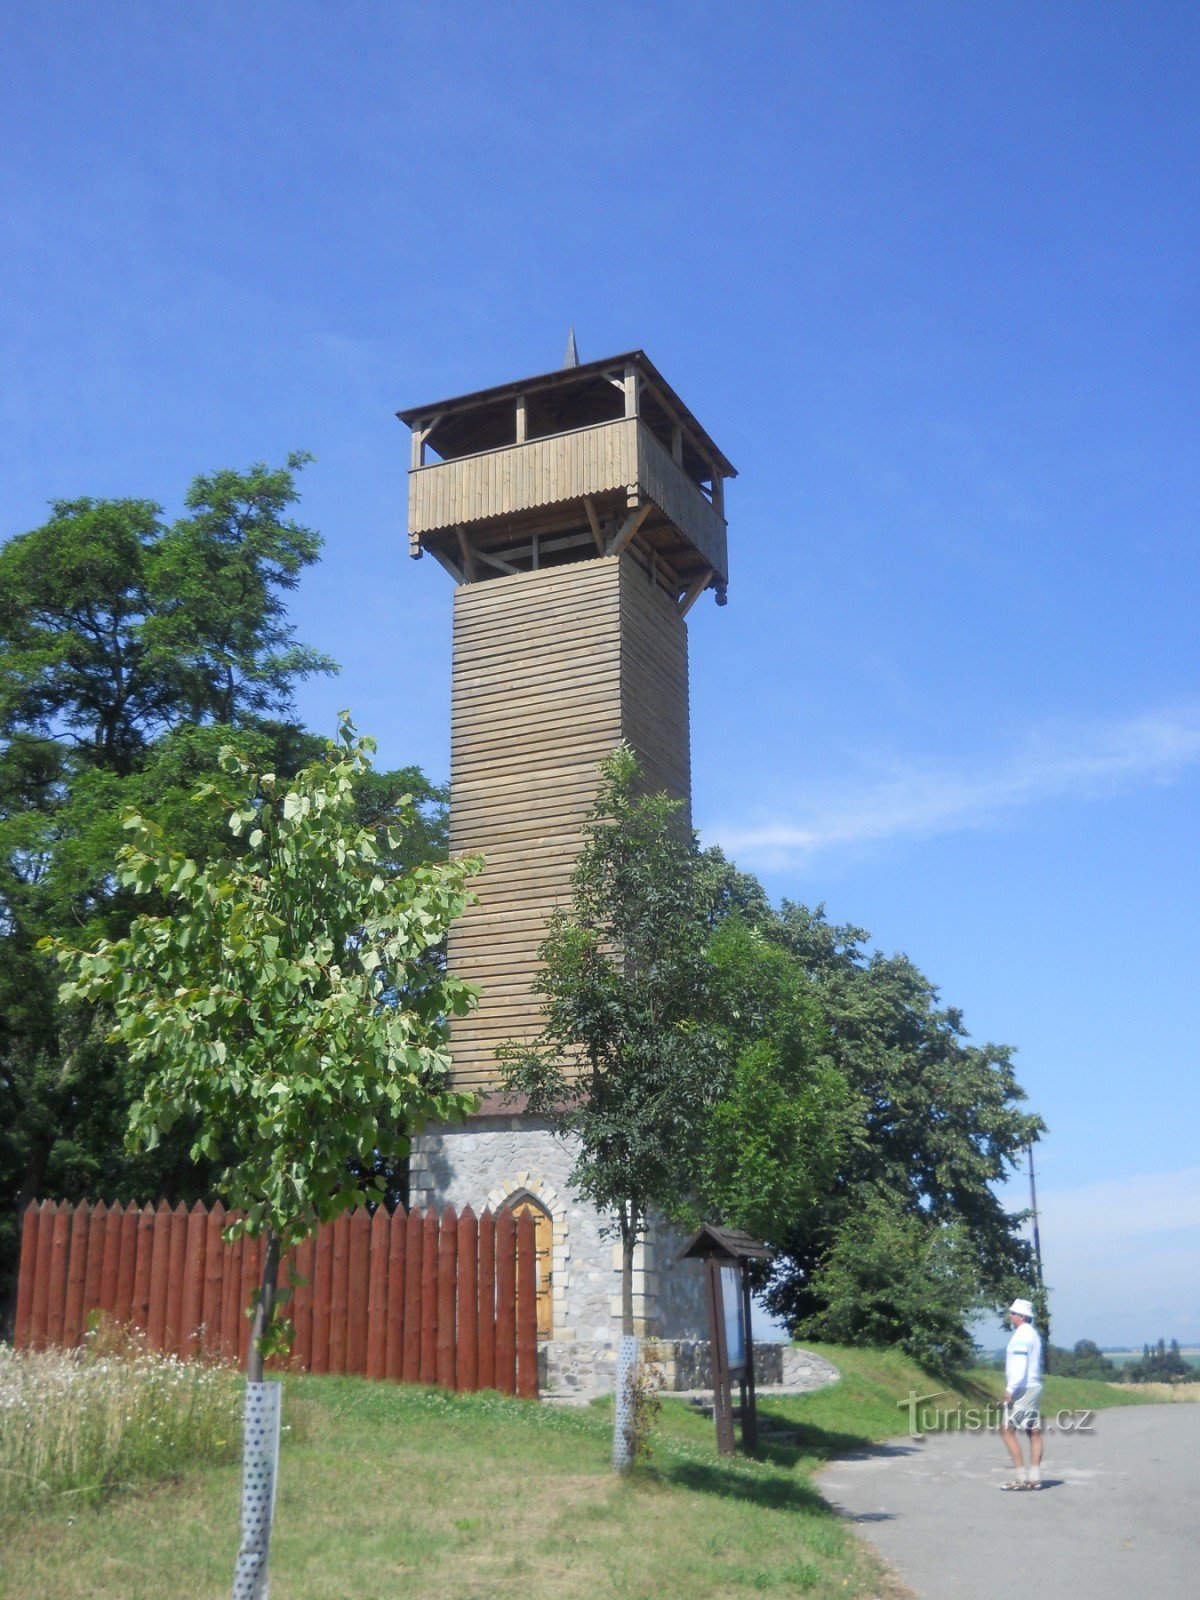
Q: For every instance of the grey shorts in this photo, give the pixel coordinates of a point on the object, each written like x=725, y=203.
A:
x=1024, y=1410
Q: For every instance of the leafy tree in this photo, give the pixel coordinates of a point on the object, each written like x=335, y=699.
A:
x=935, y=1122
x=627, y=1061
x=261, y=1000
x=1160, y=1365
x=1084, y=1360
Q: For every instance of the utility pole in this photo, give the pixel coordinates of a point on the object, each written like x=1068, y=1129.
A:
x=1043, y=1307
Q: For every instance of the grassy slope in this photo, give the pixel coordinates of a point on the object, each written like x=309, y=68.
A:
x=387, y=1489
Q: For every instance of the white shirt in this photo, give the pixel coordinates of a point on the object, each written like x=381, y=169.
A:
x=1023, y=1359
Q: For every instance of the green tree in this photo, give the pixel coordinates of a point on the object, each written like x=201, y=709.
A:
x=262, y=999
x=627, y=1062
x=1084, y=1360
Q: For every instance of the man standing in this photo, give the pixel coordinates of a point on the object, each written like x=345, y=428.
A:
x=1022, y=1396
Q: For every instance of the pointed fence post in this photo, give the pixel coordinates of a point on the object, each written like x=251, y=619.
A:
x=176, y=1267
x=321, y=1291
x=143, y=1256
x=358, y=1290
x=193, y=1282
x=485, y=1321
x=27, y=1275
x=110, y=1267
x=397, y=1239
x=97, y=1240
x=76, y=1275
x=60, y=1245
x=231, y=1288
x=160, y=1259
x=127, y=1265
x=506, y=1303
x=413, y=1250
x=214, y=1271
x=39, y=1316
x=447, y=1287
x=377, y=1297
x=527, y=1373
x=301, y=1307
x=429, y=1304
x=339, y=1303
x=467, y=1367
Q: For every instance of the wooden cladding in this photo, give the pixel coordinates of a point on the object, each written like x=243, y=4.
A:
x=609, y=457
x=551, y=670
x=416, y=1296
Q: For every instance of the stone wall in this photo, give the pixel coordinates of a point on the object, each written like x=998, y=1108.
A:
x=588, y=1367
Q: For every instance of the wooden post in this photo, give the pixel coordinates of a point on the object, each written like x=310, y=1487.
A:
x=160, y=1260
x=192, y=1308
x=722, y=1398
x=110, y=1266
x=139, y=1304
x=466, y=1376
x=57, y=1303
x=447, y=1284
x=76, y=1275
x=527, y=1373
x=394, y=1343
x=429, y=1307
x=301, y=1308
x=40, y=1314
x=522, y=420
x=97, y=1238
x=506, y=1302
x=321, y=1291
x=252, y=1260
x=358, y=1291
x=749, y=1398
x=340, y=1298
x=127, y=1264
x=414, y=1245
x=214, y=1267
x=173, y=1332
x=377, y=1298
x=231, y=1288
x=486, y=1303
x=27, y=1275
x=631, y=392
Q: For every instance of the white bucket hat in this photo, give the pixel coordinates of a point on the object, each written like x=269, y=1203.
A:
x=1022, y=1308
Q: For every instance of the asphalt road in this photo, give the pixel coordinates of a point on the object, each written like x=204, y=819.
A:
x=1119, y=1518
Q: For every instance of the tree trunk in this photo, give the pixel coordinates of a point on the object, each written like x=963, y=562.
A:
x=628, y=1245
x=265, y=1308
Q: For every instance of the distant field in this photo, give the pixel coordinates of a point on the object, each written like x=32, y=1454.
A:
x=1125, y=1358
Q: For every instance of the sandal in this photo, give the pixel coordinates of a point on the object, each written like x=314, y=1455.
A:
x=1015, y=1483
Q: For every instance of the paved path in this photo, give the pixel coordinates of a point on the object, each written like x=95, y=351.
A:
x=1118, y=1520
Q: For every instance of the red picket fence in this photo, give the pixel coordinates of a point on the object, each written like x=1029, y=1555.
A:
x=414, y=1296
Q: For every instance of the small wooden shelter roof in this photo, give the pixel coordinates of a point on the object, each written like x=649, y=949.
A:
x=448, y=411
x=731, y=1243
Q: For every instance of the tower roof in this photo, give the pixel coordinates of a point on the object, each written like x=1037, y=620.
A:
x=463, y=421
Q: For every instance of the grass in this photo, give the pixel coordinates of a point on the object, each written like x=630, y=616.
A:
x=387, y=1489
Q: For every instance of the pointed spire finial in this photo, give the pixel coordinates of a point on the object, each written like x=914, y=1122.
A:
x=571, y=359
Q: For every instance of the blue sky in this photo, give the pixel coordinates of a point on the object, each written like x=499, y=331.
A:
x=928, y=274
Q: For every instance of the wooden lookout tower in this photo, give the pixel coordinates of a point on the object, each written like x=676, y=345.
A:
x=581, y=515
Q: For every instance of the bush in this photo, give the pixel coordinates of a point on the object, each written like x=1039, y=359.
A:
x=86, y=1422
x=899, y=1279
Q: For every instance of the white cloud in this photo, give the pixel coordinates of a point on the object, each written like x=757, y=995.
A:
x=913, y=802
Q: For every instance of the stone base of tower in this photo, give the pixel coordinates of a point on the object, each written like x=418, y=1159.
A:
x=498, y=1161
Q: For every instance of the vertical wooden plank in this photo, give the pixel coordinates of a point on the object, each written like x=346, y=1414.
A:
x=139, y=1310
x=40, y=1312
x=381, y=1234
x=358, y=1291
x=466, y=1370
x=447, y=1286
x=27, y=1276
x=429, y=1307
x=214, y=1270
x=322, y=1287
x=527, y=1374
x=76, y=1275
x=127, y=1264
x=252, y=1256
x=110, y=1267
x=340, y=1297
x=506, y=1303
x=394, y=1349
x=301, y=1307
x=414, y=1246
x=485, y=1322
x=192, y=1303
x=97, y=1238
x=231, y=1289
x=160, y=1258
x=56, y=1302
x=176, y=1264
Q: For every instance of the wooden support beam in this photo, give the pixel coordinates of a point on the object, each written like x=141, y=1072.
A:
x=718, y=489
x=589, y=505
x=631, y=391
x=417, y=457
x=628, y=528
x=695, y=590
x=443, y=560
x=522, y=421
x=496, y=561
x=468, y=554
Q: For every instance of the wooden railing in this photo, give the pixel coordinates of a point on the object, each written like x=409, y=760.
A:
x=419, y=1297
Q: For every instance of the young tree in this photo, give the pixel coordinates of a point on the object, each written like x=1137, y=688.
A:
x=284, y=998
x=628, y=1062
